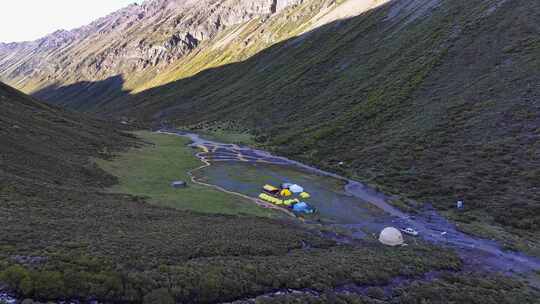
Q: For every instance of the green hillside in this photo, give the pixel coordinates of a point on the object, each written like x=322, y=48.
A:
x=64, y=236
x=435, y=104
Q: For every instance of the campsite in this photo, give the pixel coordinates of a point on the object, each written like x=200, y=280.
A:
x=341, y=205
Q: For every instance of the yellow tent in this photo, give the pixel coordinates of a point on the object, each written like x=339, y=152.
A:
x=290, y=202
x=270, y=199
x=270, y=188
x=305, y=195
x=286, y=192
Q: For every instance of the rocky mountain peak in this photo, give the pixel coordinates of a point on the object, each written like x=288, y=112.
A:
x=152, y=34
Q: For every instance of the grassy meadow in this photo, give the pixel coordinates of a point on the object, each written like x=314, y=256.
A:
x=149, y=170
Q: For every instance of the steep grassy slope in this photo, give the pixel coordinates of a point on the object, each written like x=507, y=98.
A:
x=46, y=147
x=247, y=39
x=62, y=237
x=438, y=101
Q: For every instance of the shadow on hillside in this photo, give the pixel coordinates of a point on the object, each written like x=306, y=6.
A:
x=199, y=96
x=84, y=95
x=108, y=97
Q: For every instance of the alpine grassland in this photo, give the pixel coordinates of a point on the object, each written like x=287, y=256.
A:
x=148, y=171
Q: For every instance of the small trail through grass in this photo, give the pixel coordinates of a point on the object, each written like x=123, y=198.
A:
x=208, y=164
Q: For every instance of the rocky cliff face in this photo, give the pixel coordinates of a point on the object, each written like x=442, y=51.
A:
x=153, y=34
x=282, y=4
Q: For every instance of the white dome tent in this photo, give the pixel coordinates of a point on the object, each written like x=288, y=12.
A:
x=391, y=236
x=296, y=189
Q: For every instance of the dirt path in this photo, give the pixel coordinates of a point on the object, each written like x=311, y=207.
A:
x=206, y=164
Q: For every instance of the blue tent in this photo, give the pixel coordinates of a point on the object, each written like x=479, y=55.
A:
x=302, y=208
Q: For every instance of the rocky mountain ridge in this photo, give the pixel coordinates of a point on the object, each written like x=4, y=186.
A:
x=152, y=34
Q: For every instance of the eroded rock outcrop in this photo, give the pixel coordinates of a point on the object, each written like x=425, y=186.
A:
x=138, y=37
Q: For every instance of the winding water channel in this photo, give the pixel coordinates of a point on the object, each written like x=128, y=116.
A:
x=348, y=204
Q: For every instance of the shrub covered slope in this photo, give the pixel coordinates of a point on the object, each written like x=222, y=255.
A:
x=64, y=237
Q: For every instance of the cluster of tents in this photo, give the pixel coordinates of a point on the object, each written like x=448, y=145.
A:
x=288, y=195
